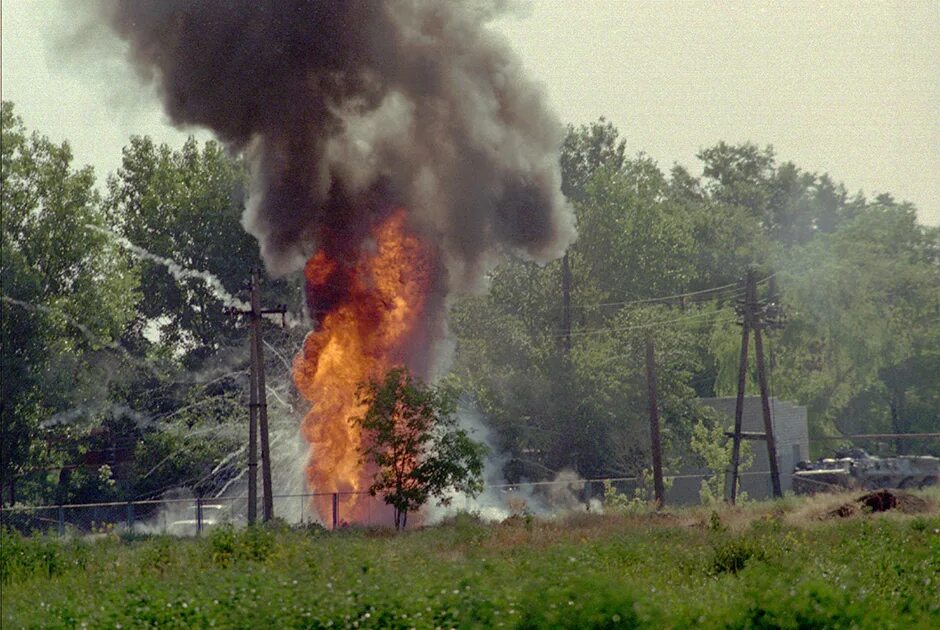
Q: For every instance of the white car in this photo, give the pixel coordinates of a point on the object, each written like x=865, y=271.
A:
x=212, y=514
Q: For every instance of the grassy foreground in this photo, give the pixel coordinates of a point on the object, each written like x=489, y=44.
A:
x=789, y=564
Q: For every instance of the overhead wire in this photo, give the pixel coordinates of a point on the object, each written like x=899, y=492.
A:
x=628, y=355
x=666, y=298
x=604, y=330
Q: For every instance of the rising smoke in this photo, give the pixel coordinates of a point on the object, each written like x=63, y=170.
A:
x=347, y=108
x=396, y=149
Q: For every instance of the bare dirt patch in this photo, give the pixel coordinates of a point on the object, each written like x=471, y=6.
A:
x=881, y=501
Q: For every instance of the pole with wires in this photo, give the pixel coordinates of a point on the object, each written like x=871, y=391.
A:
x=756, y=316
x=739, y=401
x=258, y=407
x=655, y=440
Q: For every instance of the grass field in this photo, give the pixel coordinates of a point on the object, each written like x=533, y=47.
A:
x=788, y=564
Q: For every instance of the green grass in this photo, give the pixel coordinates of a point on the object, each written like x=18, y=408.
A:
x=745, y=568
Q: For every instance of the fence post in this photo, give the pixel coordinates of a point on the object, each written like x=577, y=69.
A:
x=61, y=521
x=335, y=509
x=301, y=509
x=130, y=516
x=198, y=515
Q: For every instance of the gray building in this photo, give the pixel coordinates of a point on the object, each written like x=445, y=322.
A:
x=790, y=430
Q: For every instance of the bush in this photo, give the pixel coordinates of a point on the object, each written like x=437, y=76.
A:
x=158, y=555
x=254, y=543
x=732, y=555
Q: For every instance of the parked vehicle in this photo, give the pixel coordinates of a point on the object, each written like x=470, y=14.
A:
x=857, y=469
x=200, y=518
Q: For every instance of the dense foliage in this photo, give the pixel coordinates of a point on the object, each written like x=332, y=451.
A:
x=661, y=255
x=122, y=381
x=114, y=371
x=681, y=570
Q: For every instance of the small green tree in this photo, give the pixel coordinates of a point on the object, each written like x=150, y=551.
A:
x=711, y=444
x=413, y=440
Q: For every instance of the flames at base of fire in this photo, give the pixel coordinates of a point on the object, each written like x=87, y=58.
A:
x=377, y=323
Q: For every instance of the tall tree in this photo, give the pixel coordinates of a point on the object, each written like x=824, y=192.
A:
x=586, y=150
x=863, y=303
x=67, y=292
x=186, y=206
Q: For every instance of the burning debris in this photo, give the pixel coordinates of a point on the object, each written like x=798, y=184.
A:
x=395, y=146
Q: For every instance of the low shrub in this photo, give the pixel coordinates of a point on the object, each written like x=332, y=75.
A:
x=731, y=556
x=588, y=602
x=22, y=558
x=226, y=544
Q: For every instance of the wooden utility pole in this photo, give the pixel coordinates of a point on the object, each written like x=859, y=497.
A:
x=258, y=355
x=765, y=407
x=739, y=403
x=253, y=437
x=566, y=302
x=755, y=316
x=655, y=440
x=258, y=405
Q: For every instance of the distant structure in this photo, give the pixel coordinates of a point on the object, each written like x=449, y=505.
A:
x=792, y=434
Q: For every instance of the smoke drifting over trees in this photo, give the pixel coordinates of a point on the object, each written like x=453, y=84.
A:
x=346, y=108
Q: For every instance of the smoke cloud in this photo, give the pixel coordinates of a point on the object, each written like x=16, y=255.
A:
x=349, y=108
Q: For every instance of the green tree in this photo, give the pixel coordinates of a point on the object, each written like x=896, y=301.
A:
x=67, y=292
x=586, y=150
x=415, y=444
x=185, y=205
x=714, y=448
x=791, y=205
x=583, y=410
x=858, y=348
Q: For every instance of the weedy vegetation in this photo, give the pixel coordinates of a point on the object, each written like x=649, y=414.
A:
x=788, y=563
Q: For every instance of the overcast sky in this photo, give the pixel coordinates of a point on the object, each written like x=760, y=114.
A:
x=850, y=88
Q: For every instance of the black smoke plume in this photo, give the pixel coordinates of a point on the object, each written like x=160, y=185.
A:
x=348, y=107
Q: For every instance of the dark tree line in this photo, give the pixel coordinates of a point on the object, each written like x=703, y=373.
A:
x=121, y=381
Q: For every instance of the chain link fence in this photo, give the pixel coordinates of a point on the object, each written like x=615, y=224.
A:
x=193, y=516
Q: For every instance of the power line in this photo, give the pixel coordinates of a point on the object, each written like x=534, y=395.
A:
x=597, y=331
x=673, y=297
x=664, y=298
x=628, y=355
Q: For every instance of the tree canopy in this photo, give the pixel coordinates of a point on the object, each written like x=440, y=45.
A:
x=106, y=351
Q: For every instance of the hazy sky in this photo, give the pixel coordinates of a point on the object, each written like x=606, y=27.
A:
x=851, y=88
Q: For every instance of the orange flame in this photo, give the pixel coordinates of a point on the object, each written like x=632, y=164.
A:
x=373, y=326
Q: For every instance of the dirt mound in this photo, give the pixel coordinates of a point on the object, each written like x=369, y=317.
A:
x=882, y=501
x=912, y=504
